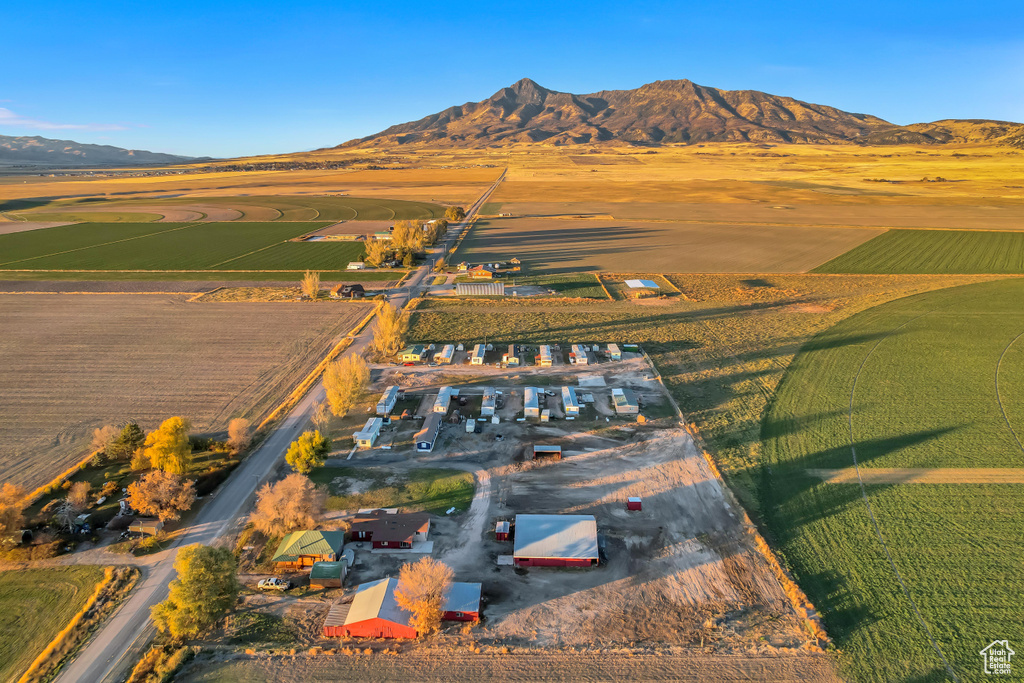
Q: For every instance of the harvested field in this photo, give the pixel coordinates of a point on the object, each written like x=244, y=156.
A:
x=77, y=362
x=560, y=246
x=8, y=227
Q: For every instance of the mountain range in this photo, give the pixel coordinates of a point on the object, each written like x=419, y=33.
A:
x=678, y=111
x=38, y=151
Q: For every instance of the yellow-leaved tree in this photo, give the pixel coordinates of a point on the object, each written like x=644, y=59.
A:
x=345, y=381
x=421, y=589
x=307, y=452
x=167, y=447
x=205, y=588
x=389, y=330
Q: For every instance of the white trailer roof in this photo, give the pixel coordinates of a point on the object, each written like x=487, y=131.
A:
x=569, y=537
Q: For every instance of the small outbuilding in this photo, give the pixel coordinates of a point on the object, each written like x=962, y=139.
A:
x=327, y=574
x=625, y=402
x=427, y=436
x=614, y=352
x=462, y=602
x=553, y=452
x=388, y=400
x=634, y=503
x=413, y=354
x=556, y=541
x=146, y=527
x=501, y=530
x=367, y=436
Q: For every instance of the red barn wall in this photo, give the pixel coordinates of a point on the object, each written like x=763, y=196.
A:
x=378, y=628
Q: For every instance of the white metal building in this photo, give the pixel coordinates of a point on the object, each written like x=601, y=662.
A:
x=444, y=397
x=387, y=401
x=625, y=402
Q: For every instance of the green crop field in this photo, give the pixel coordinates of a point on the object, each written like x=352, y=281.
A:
x=285, y=208
x=35, y=604
x=164, y=247
x=934, y=251
x=934, y=380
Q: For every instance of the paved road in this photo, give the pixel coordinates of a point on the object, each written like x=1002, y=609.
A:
x=117, y=644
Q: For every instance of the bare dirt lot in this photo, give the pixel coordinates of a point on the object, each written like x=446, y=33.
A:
x=76, y=362
x=558, y=246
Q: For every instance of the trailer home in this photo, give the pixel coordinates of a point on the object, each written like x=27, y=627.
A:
x=367, y=436
x=387, y=401
x=580, y=355
x=478, y=355
x=570, y=402
x=511, y=359
x=444, y=397
x=490, y=402
x=531, y=402
x=445, y=357
x=544, y=358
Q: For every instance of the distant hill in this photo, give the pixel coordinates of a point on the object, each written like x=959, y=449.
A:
x=667, y=112
x=35, y=150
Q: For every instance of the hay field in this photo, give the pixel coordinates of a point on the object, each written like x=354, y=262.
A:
x=934, y=380
x=934, y=251
x=562, y=246
x=35, y=604
x=76, y=362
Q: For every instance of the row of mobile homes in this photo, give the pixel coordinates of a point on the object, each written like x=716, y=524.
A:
x=531, y=402
x=511, y=359
x=375, y=613
x=414, y=354
x=614, y=352
x=544, y=357
x=490, y=402
x=367, y=436
x=478, y=355
x=444, y=398
x=387, y=401
x=427, y=436
x=625, y=402
x=570, y=402
x=580, y=355
x=445, y=357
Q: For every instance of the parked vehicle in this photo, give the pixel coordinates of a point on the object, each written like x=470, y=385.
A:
x=274, y=584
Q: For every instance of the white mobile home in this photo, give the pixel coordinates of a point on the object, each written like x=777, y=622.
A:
x=367, y=436
x=426, y=437
x=570, y=402
x=545, y=356
x=614, y=352
x=444, y=397
x=445, y=357
x=531, y=402
x=625, y=402
x=580, y=355
x=490, y=401
x=478, y=355
x=387, y=402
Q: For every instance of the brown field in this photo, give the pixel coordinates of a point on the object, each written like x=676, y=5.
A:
x=563, y=246
x=75, y=362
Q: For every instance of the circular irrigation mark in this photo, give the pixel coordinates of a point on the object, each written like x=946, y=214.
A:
x=999, y=397
x=871, y=512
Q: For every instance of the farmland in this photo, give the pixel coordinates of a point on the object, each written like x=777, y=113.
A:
x=35, y=604
x=934, y=251
x=933, y=381
x=162, y=248
x=77, y=362
x=568, y=245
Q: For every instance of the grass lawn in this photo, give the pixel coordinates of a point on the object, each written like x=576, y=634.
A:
x=35, y=604
x=934, y=251
x=925, y=396
x=428, y=489
x=581, y=285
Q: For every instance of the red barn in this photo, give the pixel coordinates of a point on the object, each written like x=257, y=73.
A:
x=555, y=541
x=501, y=531
x=634, y=503
x=462, y=602
x=374, y=612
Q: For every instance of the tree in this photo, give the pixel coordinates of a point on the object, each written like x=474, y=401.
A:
x=377, y=252
x=409, y=261
x=408, y=236
x=311, y=285
x=389, y=331
x=12, y=508
x=321, y=418
x=103, y=438
x=239, y=434
x=140, y=461
x=65, y=515
x=437, y=231
x=78, y=495
x=455, y=213
x=345, y=381
x=421, y=589
x=205, y=588
x=168, y=448
x=307, y=452
x=290, y=504
x=127, y=442
x=162, y=495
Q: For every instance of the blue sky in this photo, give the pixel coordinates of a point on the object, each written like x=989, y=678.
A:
x=232, y=78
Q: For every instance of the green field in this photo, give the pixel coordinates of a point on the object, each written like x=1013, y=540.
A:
x=35, y=604
x=174, y=246
x=428, y=489
x=581, y=285
x=285, y=208
x=921, y=375
x=934, y=252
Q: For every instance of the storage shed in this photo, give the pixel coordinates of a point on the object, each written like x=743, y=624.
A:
x=540, y=451
x=444, y=397
x=327, y=574
x=490, y=401
x=555, y=541
x=147, y=527
x=625, y=402
x=478, y=355
x=634, y=503
x=570, y=403
x=462, y=602
x=501, y=530
x=367, y=436
x=387, y=401
x=445, y=357
x=531, y=402
x=427, y=436
x=301, y=549
x=480, y=289
x=614, y=352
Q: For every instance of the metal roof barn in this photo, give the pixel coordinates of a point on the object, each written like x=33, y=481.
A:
x=375, y=613
x=555, y=541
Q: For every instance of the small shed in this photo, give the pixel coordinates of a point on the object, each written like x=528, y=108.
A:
x=614, y=352
x=501, y=530
x=634, y=503
x=387, y=401
x=478, y=355
x=444, y=397
x=625, y=402
x=413, y=354
x=355, y=265
x=462, y=602
x=446, y=354
x=147, y=527
x=367, y=436
x=427, y=436
x=327, y=574
x=531, y=402
x=570, y=402
x=490, y=401
x=546, y=451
